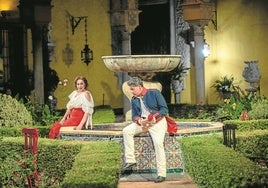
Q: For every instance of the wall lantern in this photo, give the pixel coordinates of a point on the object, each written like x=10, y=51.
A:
x=206, y=50
x=86, y=52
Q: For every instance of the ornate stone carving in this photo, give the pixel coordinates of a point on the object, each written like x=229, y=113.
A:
x=126, y=15
x=252, y=74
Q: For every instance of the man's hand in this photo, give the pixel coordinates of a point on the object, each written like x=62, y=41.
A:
x=145, y=123
x=151, y=119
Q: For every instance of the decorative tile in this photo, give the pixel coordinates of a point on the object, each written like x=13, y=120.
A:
x=145, y=155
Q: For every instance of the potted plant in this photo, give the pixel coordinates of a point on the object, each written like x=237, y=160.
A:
x=225, y=86
x=179, y=72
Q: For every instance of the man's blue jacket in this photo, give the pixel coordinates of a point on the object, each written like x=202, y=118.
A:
x=153, y=100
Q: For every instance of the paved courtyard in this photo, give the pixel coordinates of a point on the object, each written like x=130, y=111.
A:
x=180, y=183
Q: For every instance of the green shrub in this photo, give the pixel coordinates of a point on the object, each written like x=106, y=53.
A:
x=11, y=131
x=64, y=163
x=232, y=108
x=14, y=166
x=13, y=113
x=254, y=145
x=249, y=125
x=189, y=111
x=41, y=113
x=54, y=159
x=103, y=114
x=259, y=109
x=97, y=165
x=211, y=164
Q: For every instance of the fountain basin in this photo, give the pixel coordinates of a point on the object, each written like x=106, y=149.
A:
x=114, y=131
x=141, y=63
x=144, y=148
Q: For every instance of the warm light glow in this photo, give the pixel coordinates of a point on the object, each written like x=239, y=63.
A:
x=9, y=4
x=206, y=50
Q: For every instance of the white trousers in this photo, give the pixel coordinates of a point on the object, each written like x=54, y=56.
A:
x=157, y=132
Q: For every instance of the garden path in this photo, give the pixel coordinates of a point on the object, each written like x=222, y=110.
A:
x=180, y=183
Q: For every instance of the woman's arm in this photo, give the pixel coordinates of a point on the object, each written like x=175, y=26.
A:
x=83, y=121
x=66, y=115
x=86, y=114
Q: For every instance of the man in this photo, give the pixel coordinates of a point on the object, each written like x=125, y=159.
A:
x=148, y=112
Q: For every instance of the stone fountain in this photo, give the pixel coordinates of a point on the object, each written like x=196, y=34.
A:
x=143, y=66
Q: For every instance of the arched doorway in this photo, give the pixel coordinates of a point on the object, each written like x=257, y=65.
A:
x=152, y=36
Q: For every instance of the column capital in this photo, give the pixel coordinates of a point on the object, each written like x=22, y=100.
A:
x=125, y=15
x=35, y=12
x=197, y=12
x=198, y=30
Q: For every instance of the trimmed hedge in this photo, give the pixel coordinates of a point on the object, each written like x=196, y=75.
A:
x=97, y=165
x=211, y=164
x=17, y=131
x=53, y=160
x=13, y=113
x=254, y=145
x=250, y=125
x=63, y=163
x=102, y=114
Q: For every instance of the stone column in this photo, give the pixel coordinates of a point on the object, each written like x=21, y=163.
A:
x=199, y=63
x=36, y=14
x=198, y=13
x=37, y=32
x=182, y=48
x=172, y=28
x=126, y=50
x=124, y=19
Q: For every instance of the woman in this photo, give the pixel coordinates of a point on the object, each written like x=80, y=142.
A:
x=79, y=109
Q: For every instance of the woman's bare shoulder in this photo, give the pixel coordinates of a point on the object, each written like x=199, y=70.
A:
x=88, y=95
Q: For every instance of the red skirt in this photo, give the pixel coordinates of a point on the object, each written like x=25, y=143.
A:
x=74, y=120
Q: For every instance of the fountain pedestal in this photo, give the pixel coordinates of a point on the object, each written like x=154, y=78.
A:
x=143, y=66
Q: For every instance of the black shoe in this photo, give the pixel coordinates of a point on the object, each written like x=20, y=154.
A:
x=159, y=179
x=129, y=166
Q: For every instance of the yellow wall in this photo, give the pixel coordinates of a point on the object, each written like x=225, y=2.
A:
x=241, y=35
x=102, y=81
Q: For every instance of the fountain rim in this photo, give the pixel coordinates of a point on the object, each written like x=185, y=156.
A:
x=141, y=56
x=214, y=127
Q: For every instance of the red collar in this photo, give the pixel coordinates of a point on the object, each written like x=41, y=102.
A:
x=144, y=91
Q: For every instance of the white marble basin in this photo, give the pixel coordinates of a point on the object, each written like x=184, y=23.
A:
x=141, y=63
